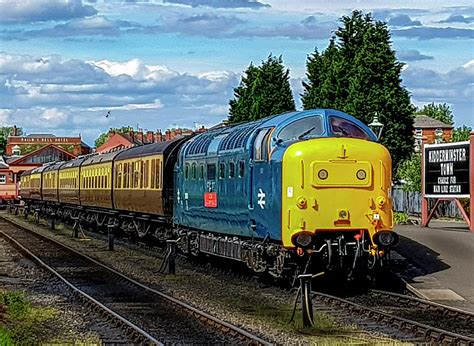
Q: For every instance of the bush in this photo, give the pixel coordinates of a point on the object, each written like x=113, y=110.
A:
x=400, y=218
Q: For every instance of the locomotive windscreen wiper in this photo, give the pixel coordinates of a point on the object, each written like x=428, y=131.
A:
x=307, y=132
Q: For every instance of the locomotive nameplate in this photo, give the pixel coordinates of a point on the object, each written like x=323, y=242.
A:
x=446, y=170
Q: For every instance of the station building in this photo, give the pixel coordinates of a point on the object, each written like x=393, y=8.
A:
x=23, y=153
x=434, y=130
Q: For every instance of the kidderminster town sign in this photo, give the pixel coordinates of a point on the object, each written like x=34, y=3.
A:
x=447, y=170
x=448, y=174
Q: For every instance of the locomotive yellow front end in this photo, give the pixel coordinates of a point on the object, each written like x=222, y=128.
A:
x=336, y=200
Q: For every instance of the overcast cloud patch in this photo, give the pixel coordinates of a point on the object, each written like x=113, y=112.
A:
x=25, y=11
x=412, y=55
x=428, y=33
x=220, y=3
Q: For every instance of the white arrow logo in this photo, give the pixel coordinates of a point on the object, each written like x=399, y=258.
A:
x=261, y=198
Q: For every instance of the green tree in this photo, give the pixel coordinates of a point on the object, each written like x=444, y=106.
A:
x=441, y=112
x=263, y=91
x=410, y=172
x=6, y=131
x=461, y=134
x=104, y=135
x=3, y=143
x=358, y=73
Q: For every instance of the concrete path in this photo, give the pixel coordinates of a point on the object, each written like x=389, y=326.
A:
x=445, y=253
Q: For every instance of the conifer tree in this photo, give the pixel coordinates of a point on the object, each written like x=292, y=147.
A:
x=263, y=91
x=359, y=74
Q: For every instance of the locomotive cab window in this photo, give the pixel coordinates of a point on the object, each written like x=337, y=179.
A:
x=211, y=171
x=261, y=147
x=302, y=128
x=346, y=128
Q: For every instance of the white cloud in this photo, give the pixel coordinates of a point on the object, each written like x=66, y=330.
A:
x=58, y=93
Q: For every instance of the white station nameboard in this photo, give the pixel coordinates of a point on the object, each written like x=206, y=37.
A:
x=446, y=170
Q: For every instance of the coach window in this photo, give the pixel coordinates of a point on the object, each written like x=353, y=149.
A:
x=159, y=166
x=201, y=171
x=211, y=171
x=153, y=174
x=193, y=171
x=241, y=169
x=231, y=169
x=222, y=170
x=161, y=173
x=118, y=181
x=186, y=172
x=261, y=145
x=145, y=174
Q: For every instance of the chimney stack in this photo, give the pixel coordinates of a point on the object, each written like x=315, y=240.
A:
x=149, y=137
x=139, y=135
x=158, y=136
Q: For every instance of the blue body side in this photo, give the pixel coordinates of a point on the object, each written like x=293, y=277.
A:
x=248, y=206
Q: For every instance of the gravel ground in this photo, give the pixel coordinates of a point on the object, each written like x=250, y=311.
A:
x=260, y=309
x=70, y=322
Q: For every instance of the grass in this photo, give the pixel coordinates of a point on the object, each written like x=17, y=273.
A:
x=21, y=322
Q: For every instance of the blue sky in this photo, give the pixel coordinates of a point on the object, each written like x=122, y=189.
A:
x=155, y=64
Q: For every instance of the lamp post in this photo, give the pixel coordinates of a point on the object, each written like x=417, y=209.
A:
x=376, y=126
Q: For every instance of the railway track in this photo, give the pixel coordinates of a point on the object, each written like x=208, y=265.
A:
x=426, y=321
x=145, y=314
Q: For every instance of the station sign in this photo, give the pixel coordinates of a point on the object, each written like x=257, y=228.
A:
x=446, y=170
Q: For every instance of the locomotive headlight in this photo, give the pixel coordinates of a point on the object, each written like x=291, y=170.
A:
x=323, y=174
x=361, y=174
x=385, y=238
x=303, y=239
x=343, y=214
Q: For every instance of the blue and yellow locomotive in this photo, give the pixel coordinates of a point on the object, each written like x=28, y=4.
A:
x=279, y=191
x=307, y=190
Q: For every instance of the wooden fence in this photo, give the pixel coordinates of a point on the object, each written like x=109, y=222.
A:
x=410, y=203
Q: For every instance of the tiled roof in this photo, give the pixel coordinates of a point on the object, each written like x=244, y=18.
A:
x=426, y=122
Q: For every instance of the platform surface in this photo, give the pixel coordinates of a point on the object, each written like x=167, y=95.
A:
x=445, y=254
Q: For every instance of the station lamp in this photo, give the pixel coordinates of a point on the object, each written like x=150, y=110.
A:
x=376, y=126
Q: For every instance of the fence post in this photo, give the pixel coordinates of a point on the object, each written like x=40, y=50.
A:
x=424, y=201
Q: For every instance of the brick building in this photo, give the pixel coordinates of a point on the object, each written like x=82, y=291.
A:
x=118, y=140
x=434, y=130
x=23, y=145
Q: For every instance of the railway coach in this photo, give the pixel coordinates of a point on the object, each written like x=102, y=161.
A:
x=303, y=190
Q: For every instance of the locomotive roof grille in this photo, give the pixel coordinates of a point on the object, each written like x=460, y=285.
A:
x=237, y=138
x=199, y=145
